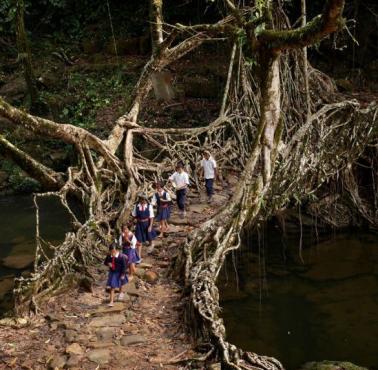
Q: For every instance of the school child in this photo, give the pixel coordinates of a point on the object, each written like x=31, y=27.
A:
x=209, y=172
x=143, y=212
x=128, y=242
x=117, y=263
x=180, y=180
x=162, y=201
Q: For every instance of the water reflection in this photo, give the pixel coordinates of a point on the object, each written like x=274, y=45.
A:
x=17, y=230
x=323, y=309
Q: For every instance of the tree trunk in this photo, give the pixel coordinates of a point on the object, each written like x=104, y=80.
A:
x=24, y=54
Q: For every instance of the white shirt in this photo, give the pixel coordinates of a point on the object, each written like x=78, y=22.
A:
x=150, y=208
x=133, y=240
x=161, y=194
x=209, y=166
x=181, y=180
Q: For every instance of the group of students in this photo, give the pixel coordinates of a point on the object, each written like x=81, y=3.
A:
x=126, y=253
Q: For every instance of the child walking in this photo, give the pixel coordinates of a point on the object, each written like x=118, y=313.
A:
x=180, y=180
x=128, y=242
x=162, y=201
x=209, y=172
x=143, y=212
x=117, y=263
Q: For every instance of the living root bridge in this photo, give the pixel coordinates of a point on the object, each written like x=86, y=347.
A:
x=263, y=131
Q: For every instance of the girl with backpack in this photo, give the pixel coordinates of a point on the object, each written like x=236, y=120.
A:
x=117, y=263
x=162, y=201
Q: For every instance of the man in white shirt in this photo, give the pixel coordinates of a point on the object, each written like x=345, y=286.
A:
x=209, y=172
x=180, y=180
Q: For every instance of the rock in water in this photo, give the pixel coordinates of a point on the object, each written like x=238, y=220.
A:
x=132, y=339
x=331, y=365
x=151, y=277
x=99, y=356
x=18, y=262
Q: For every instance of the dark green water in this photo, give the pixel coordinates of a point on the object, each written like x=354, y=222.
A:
x=323, y=309
x=17, y=237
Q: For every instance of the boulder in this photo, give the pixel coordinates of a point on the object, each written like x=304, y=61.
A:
x=132, y=339
x=99, y=356
x=151, y=277
x=18, y=262
x=75, y=349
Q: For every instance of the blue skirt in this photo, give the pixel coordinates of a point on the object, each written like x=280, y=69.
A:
x=132, y=255
x=115, y=281
x=164, y=213
x=142, y=234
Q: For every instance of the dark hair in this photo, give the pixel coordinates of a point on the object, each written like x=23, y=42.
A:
x=158, y=184
x=113, y=246
x=180, y=164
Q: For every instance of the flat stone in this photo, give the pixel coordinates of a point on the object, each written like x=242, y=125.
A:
x=118, y=307
x=112, y=320
x=75, y=348
x=18, y=262
x=132, y=339
x=99, y=356
x=132, y=290
x=98, y=345
x=105, y=333
x=58, y=362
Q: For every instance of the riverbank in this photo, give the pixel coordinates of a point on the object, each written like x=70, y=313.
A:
x=145, y=331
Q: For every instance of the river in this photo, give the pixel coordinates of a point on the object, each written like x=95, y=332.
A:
x=322, y=306
x=17, y=242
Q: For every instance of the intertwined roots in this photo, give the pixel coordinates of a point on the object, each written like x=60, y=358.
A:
x=311, y=149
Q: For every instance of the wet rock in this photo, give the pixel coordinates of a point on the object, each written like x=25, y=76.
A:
x=105, y=334
x=113, y=320
x=331, y=365
x=99, y=356
x=18, y=262
x=58, y=362
x=75, y=349
x=151, y=277
x=132, y=339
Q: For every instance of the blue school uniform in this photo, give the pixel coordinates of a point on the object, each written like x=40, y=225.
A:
x=143, y=222
x=163, y=208
x=116, y=270
x=129, y=250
